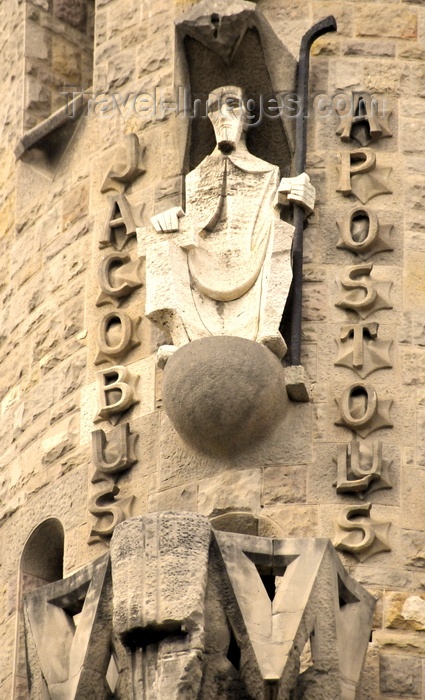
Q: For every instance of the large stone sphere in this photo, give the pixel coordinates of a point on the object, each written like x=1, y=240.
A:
x=224, y=393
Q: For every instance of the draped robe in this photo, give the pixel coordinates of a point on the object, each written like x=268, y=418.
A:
x=227, y=271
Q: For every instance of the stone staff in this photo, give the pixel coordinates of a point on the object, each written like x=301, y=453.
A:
x=323, y=27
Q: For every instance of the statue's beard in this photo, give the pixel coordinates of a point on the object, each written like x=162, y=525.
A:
x=226, y=140
x=226, y=146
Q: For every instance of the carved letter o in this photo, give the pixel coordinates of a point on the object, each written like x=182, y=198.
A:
x=371, y=405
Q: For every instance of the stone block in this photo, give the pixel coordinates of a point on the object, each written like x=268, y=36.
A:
x=7, y=642
x=120, y=69
x=413, y=546
x=36, y=42
x=232, y=490
x=411, y=51
x=384, y=77
x=413, y=517
x=123, y=16
x=415, y=205
x=37, y=97
x=153, y=57
x=75, y=204
x=404, y=611
x=400, y=676
x=416, y=77
x=385, y=577
x=284, y=485
x=73, y=13
x=66, y=60
x=413, y=366
x=294, y=520
x=356, y=47
x=379, y=20
x=315, y=302
x=182, y=498
x=412, y=328
x=414, y=287
x=413, y=132
x=60, y=440
x=348, y=75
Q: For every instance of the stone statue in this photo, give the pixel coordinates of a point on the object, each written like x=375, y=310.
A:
x=226, y=268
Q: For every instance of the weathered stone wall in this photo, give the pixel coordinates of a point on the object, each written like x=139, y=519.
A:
x=11, y=61
x=58, y=53
x=51, y=221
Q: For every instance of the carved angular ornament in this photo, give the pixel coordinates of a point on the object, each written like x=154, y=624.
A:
x=119, y=276
x=266, y=599
x=68, y=635
x=116, y=391
x=116, y=336
x=194, y=613
x=362, y=292
x=360, y=349
x=360, y=175
x=113, y=453
x=364, y=121
x=359, y=534
x=120, y=225
x=361, y=233
x=362, y=411
x=127, y=165
x=362, y=469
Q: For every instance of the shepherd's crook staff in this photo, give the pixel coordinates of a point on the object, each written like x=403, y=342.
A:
x=323, y=27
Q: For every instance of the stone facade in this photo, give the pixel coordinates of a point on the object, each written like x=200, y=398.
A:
x=346, y=465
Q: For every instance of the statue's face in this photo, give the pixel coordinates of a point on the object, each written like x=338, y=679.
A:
x=227, y=113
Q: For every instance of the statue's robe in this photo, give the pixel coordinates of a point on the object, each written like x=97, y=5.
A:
x=227, y=271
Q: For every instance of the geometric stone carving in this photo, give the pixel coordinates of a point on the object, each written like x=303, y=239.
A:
x=359, y=175
x=118, y=278
x=127, y=165
x=361, y=469
x=361, y=233
x=363, y=122
x=223, y=267
x=120, y=226
x=116, y=388
x=250, y=606
x=159, y=566
x=112, y=454
x=190, y=613
x=116, y=336
x=363, y=296
x=68, y=635
x=362, y=411
x=362, y=537
x=359, y=349
x=155, y=559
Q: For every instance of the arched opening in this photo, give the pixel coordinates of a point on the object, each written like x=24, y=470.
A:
x=41, y=563
x=42, y=558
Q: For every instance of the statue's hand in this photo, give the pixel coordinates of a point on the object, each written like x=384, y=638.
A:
x=299, y=190
x=167, y=221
